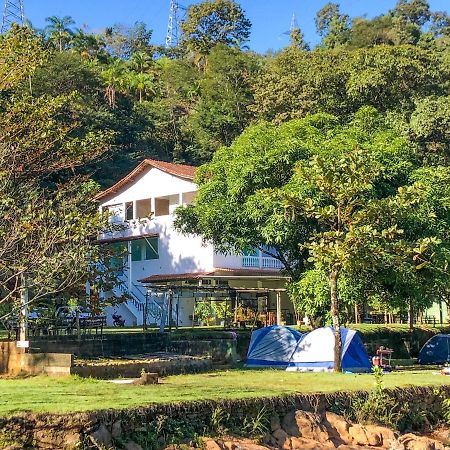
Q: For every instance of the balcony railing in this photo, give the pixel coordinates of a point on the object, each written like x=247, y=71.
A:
x=250, y=261
x=261, y=262
x=271, y=263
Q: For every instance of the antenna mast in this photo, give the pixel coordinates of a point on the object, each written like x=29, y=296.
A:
x=294, y=24
x=13, y=12
x=172, y=26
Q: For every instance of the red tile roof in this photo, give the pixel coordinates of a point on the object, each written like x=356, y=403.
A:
x=228, y=273
x=178, y=170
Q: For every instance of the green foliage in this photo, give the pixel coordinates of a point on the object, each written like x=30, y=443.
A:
x=378, y=407
x=214, y=22
x=48, y=217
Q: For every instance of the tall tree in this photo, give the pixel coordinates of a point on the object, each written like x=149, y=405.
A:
x=416, y=12
x=225, y=92
x=333, y=26
x=123, y=41
x=214, y=22
x=47, y=216
x=59, y=31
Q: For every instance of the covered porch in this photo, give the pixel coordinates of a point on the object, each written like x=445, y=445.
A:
x=228, y=297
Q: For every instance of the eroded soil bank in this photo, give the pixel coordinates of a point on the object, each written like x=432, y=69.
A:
x=281, y=422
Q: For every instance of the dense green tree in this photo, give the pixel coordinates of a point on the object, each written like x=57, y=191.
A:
x=214, y=22
x=333, y=26
x=297, y=39
x=416, y=12
x=47, y=216
x=225, y=92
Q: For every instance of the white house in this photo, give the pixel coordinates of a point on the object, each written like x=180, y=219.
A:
x=163, y=265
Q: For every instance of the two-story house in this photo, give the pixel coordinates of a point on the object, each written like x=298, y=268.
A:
x=163, y=264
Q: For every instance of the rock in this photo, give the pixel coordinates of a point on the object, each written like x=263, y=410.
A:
x=412, y=442
x=353, y=447
x=72, y=440
x=300, y=443
x=358, y=434
x=210, y=444
x=307, y=425
x=384, y=435
x=116, y=429
x=101, y=437
x=131, y=445
x=243, y=444
x=374, y=437
x=274, y=423
x=337, y=427
x=280, y=436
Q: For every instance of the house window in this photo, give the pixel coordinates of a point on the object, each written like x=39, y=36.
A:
x=136, y=250
x=162, y=206
x=151, y=248
x=144, y=249
x=117, y=261
x=115, y=212
x=129, y=211
x=143, y=208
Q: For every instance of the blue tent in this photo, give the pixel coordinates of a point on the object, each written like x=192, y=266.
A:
x=315, y=352
x=436, y=350
x=272, y=346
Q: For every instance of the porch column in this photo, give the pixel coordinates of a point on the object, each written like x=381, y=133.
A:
x=152, y=206
x=278, y=308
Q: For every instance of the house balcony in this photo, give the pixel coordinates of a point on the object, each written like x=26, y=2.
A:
x=261, y=262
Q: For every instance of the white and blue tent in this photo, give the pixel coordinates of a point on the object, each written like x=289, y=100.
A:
x=315, y=352
x=272, y=347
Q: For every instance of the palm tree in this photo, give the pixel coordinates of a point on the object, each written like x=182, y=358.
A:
x=144, y=83
x=88, y=45
x=58, y=30
x=114, y=77
x=140, y=62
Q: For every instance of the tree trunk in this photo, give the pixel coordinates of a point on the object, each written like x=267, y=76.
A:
x=335, y=318
x=23, y=315
x=411, y=315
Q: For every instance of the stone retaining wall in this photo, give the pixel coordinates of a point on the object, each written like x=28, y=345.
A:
x=66, y=431
x=221, y=350
x=134, y=369
x=14, y=360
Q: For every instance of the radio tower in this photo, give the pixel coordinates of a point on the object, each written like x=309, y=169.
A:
x=172, y=26
x=12, y=13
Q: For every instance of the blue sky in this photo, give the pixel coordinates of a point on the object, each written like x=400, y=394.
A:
x=270, y=18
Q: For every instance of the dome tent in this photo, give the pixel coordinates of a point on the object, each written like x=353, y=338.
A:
x=272, y=347
x=315, y=352
x=436, y=350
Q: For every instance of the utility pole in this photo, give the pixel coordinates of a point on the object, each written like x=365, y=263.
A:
x=172, y=25
x=13, y=12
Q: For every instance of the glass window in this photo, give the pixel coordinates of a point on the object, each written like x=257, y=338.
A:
x=129, y=211
x=144, y=249
x=136, y=250
x=118, y=257
x=151, y=248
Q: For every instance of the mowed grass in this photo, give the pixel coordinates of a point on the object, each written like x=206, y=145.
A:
x=74, y=394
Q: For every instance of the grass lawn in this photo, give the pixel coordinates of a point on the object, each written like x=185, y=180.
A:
x=46, y=394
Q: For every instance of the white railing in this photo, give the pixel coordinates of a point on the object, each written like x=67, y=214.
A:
x=271, y=263
x=250, y=261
